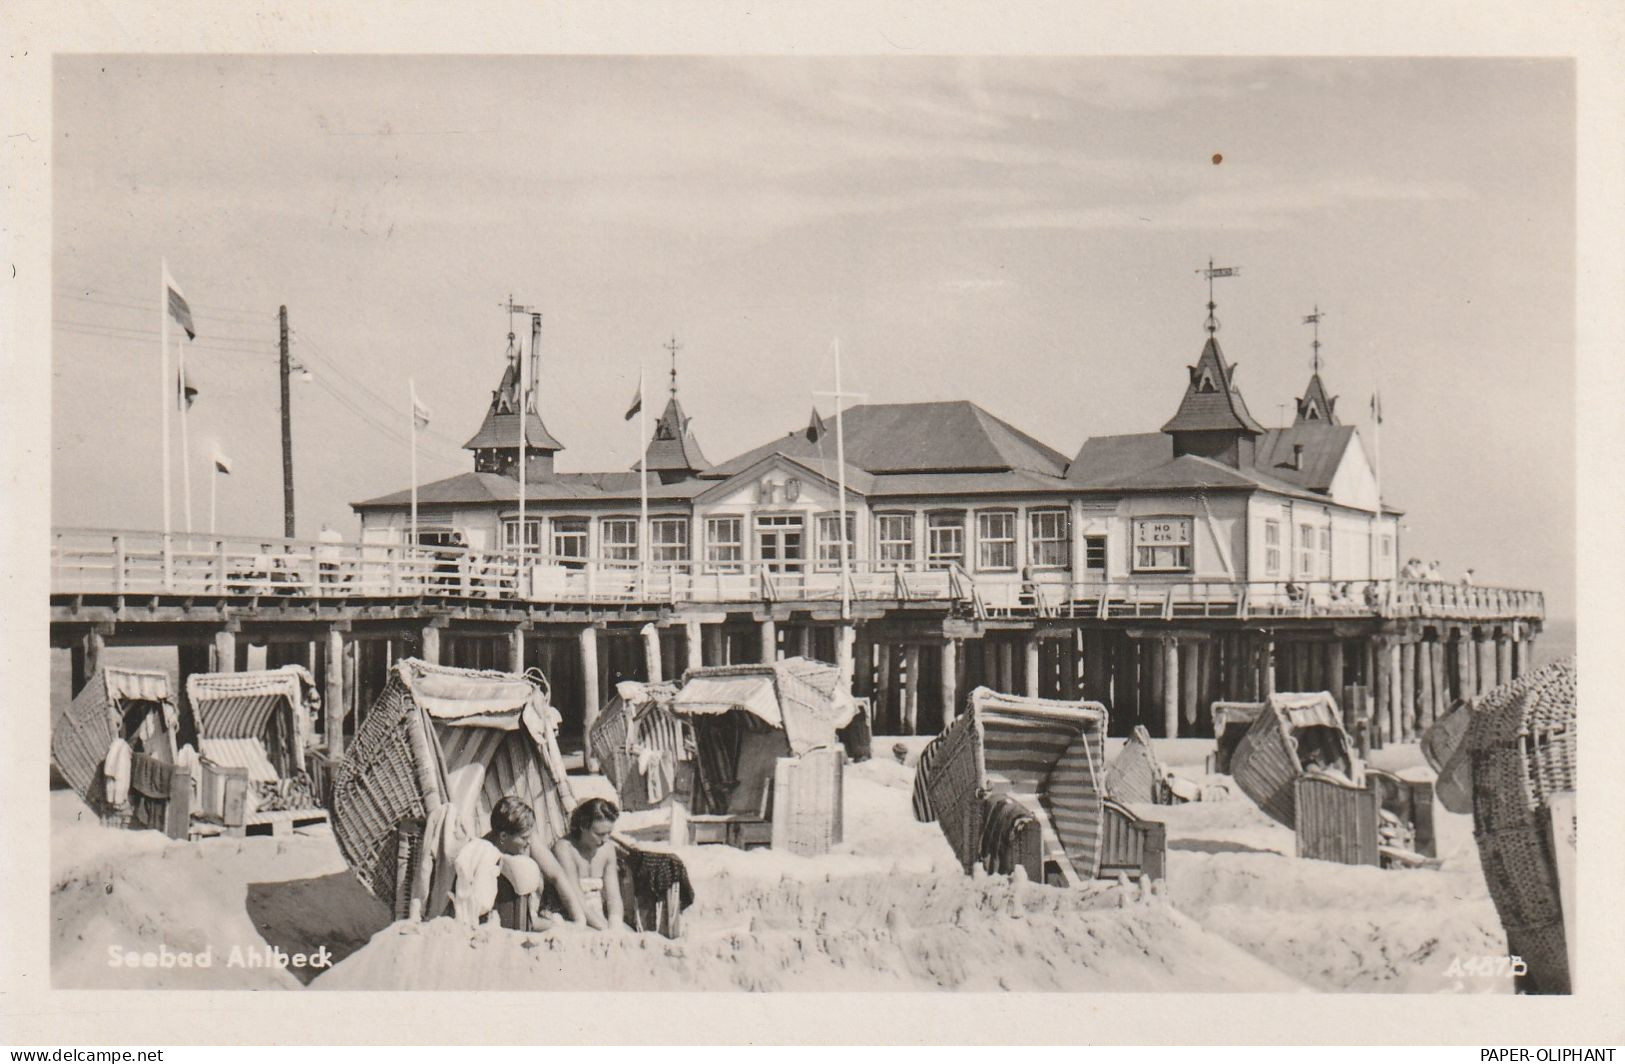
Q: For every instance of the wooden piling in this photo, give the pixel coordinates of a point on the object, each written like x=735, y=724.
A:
x=1486, y=663
x=1169, y=652
x=1407, y=690
x=949, y=678
x=333, y=694
x=1503, y=658
x=589, y=688
x=911, y=689
x=1382, y=693
x=1334, y=670
x=1191, y=676
x=1424, y=684
x=1396, y=692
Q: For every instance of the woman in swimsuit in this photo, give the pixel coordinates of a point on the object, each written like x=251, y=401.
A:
x=588, y=855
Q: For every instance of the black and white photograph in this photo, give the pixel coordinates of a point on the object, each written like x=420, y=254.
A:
x=875, y=523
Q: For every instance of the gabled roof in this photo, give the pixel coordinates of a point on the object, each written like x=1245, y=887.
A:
x=955, y=436
x=1212, y=403
x=1314, y=406
x=858, y=481
x=673, y=447
x=1143, y=462
x=1323, y=448
x=501, y=425
x=1191, y=472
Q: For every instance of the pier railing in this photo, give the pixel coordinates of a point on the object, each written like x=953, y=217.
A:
x=99, y=562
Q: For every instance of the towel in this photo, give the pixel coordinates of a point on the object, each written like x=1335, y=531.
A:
x=433, y=882
x=116, y=767
x=478, y=865
x=1006, y=816
x=654, y=872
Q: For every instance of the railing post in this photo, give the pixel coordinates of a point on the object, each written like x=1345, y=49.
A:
x=220, y=566
x=168, y=561
x=118, y=564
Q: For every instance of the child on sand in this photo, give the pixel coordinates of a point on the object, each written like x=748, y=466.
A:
x=588, y=857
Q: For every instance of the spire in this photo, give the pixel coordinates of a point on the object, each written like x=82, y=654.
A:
x=496, y=444
x=673, y=452
x=1315, y=406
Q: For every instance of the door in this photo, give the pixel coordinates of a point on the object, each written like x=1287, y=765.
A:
x=780, y=544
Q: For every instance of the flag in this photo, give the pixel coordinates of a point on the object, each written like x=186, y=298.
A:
x=1376, y=407
x=1222, y=271
x=420, y=413
x=185, y=390
x=222, y=464
x=178, y=308
x=1312, y=319
x=637, y=402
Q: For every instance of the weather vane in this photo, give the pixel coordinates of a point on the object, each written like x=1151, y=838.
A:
x=1314, y=319
x=673, y=346
x=1211, y=272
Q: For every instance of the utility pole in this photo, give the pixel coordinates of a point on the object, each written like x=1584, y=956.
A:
x=287, y=430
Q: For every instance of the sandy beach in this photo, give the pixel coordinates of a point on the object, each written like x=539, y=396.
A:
x=889, y=910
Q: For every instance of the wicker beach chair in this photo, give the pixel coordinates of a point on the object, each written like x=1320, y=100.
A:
x=1523, y=744
x=254, y=729
x=1135, y=775
x=443, y=738
x=756, y=731
x=646, y=753
x=1384, y=820
x=1276, y=748
x=1021, y=782
x=1444, y=745
x=134, y=705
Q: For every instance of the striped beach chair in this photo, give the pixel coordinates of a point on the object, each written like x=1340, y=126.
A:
x=1048, y=756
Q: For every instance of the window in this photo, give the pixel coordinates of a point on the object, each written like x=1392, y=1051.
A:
x=1049, y=539
x=829, y=539
x=996, y=539
x=724, y=545
x=570, y=541
x=1094, y=554
x=533, y=534
x=1326, y=554
x=1162, y=545
x=1306, y=550
x=894, y=536
x=1272, y=548
x=1387, y=546
x=618, y=539
x=668, y=539
x=944, y=540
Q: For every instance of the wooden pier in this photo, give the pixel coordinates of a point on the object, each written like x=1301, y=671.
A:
x=914, y=639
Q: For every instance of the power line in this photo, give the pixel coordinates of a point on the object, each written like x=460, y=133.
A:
x=332, y=363
x=234, y=317
x=249, y=353
x=207, y=338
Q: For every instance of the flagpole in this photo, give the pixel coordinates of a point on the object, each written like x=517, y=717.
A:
x=182, y=407
x=524, y=463
x=643, y=490
x=840, y=472
x=1376, y=456
x=412, y=444
x=163, y=386
x=214, y=489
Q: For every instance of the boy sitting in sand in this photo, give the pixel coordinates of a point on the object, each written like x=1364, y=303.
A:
x=499, y=876
x=587, y=857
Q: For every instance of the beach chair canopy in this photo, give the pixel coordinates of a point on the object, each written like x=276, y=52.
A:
x=443, y=746
x=258, y=721
x=636, y=729
x=135, y=705
x=804, y=699
x=1295, y=732
x=1135, y=774
x=1047, y=754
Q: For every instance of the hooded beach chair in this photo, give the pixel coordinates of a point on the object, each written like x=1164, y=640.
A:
x=1135, y=775
x=435, y=753
x=645, y=752
x=1230, y=722
x=115, y=745
x=253, y=732
x=1523, y=746
x=1298, y=764
x=768, y=758
x=1020, y=782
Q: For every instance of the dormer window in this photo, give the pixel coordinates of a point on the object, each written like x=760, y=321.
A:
x=1205, y=382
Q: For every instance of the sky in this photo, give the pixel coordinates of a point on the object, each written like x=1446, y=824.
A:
x=1022, y=232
